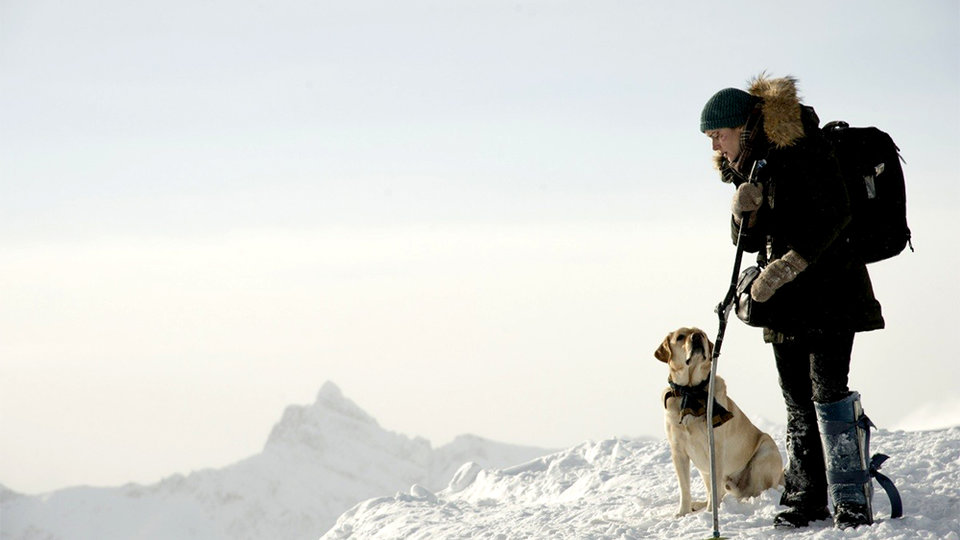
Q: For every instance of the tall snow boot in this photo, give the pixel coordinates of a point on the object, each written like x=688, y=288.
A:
x=804, y=476
x=845, y=433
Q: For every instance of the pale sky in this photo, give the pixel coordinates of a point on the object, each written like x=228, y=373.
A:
x=474, y=217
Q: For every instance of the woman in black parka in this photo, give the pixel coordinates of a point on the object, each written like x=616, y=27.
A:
x=813, y=290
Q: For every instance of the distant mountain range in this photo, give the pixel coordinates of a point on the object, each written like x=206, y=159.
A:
x=319, y=461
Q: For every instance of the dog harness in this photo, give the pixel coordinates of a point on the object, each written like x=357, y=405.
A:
x=693, y=401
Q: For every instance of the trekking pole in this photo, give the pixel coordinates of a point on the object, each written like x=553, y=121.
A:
x=723, y=312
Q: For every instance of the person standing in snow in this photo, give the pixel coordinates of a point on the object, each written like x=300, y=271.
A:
x=815, y=291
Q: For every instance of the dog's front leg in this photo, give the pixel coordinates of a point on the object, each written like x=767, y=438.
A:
x=705, y=475
x=681, y=462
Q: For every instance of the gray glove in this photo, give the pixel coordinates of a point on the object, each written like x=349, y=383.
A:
x=777, y=274
x=747, y=198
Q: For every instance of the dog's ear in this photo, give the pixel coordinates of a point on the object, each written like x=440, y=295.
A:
x=663, y=352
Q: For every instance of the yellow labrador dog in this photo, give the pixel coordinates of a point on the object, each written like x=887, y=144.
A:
x=748, y=461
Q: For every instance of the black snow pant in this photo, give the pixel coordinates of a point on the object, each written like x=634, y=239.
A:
x=810, y=369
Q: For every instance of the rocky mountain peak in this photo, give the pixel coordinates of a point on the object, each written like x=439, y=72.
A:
x=330, y=415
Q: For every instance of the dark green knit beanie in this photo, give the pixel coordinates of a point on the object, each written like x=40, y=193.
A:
x=728, y=108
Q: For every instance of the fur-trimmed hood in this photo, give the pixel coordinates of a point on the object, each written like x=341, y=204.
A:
x=781, y=114
x=781, y=109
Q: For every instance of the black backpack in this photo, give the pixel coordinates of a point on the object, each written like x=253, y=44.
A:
x=870, y=164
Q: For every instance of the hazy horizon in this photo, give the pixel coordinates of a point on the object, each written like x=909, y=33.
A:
x=474, y=217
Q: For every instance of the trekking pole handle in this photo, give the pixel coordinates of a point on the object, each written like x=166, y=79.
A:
x=723, y=309
x=727, y=304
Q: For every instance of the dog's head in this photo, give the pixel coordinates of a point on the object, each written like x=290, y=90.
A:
x=688, y=352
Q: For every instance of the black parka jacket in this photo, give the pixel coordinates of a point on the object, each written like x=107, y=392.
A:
x=805, y=208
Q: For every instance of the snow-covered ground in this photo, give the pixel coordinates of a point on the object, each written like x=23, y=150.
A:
x=626, y=489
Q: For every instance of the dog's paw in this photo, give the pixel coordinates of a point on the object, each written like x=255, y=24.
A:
x=696, y=506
